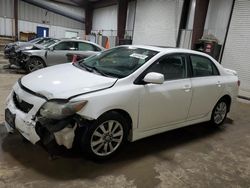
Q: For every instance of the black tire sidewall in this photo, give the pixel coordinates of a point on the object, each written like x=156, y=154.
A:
x=86, y=138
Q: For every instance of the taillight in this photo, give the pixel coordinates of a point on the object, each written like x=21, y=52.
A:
x=238, y=82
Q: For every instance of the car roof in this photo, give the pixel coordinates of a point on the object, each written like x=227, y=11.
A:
x=166, y=49
x=79, y=40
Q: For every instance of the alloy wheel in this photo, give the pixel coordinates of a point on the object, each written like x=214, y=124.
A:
x=107, y=137
x=220, y=112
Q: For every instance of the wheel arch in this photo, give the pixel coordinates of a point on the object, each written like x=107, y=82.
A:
x=36, y=56
x=228, y=99
x=127, y=116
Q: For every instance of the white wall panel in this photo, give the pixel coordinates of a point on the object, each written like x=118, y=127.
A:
x=29, y=12
x=236, y=53
x=6, y=8
x=6, y=26
x=130, y=17
x=105, y=19
x=217, y=18
x=156, y=22
x=54, y=31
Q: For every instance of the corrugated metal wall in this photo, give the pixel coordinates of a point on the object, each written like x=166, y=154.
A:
x=105, y=20
x=6, y=8
x=236, y=53
x=31, y=13
x=217, y=18
x=31, y=16
x=157, y=22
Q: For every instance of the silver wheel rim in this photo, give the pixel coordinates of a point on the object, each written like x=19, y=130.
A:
x=106, y=138
x=220, y=112
x=35, y=64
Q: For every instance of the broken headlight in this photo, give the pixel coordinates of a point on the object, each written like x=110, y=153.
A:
x=59, y=109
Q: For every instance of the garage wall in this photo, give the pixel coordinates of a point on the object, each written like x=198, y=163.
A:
x=157, y=22
x=130, y=18
x=236, y=53
x=31, y=16
x=105, y=20
x=31, y=13
x=217, y=18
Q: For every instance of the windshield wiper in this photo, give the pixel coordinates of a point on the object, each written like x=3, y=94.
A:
x=91, y=69
x=86, y=67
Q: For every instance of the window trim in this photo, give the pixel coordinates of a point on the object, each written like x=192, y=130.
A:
x=191, y=66
x=139, y=79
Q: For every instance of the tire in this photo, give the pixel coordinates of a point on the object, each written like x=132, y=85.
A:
x=34, y=63
x=219, y=113
x=105, y=136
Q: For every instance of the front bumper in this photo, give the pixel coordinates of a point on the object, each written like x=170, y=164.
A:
x=23, y=118
x=24, y=122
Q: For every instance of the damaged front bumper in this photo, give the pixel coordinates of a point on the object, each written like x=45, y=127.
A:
x=21, y=115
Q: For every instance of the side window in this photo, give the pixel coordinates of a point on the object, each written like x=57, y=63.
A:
x=85, y=47
x=172, y=67
x=65, y=46
x=202, y=66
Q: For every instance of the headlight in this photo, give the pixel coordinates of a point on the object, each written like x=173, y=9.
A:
x=28, y=47
x=59, y=109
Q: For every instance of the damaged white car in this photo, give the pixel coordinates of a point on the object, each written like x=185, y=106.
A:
x=123, y=94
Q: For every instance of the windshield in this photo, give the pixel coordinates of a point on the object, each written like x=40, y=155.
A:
x=50, y=42
x=118, y=62
x=35, y=40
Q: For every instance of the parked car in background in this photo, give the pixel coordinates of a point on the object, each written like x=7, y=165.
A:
x=18, y=57
x=125, y=93
x=10, y=48
x=57, y=53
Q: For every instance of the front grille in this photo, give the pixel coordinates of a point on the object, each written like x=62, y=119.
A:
x=21, y=104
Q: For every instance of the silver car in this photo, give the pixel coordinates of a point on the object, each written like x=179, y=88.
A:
x=57, y=53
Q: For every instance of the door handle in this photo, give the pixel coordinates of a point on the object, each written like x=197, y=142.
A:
x=187, y=88
x=218, y=84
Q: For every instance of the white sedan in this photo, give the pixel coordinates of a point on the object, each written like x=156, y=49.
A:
x=123, y=94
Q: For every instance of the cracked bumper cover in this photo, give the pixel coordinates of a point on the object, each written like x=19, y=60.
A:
x=27, y=124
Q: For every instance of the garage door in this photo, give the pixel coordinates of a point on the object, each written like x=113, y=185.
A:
x=156, y=22
x=237, y=48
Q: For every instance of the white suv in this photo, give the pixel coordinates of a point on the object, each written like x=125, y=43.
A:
x=125, y=93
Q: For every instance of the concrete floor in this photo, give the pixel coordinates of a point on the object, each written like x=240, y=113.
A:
x=195, y=156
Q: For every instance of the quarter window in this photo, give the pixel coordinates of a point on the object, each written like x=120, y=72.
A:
x=203, y=66
x=172, y=67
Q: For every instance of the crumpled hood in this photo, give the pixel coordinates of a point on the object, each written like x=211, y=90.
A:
x=64, y=81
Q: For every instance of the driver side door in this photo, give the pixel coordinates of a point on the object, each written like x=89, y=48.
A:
x=168, y=103
x=59, y=52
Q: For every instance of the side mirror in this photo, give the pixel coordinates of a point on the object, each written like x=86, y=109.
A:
x=154, y=78
x=51, y=48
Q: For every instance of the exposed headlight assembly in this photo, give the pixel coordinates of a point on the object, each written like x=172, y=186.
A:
x=60, y=109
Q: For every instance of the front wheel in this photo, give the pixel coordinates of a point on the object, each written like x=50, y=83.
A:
x=105, y=136
x=34, y=63
x=219, y=113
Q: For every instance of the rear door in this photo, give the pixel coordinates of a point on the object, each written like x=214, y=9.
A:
x=207, y=86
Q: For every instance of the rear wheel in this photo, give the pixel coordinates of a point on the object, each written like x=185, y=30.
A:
x=219, y=113
x=34, y=64
x=105, y=137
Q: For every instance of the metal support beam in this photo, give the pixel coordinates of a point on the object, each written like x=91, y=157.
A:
x=122, y=18
x=183, y=21
x=16, y=18
x=88, y=19
x=199, y=20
